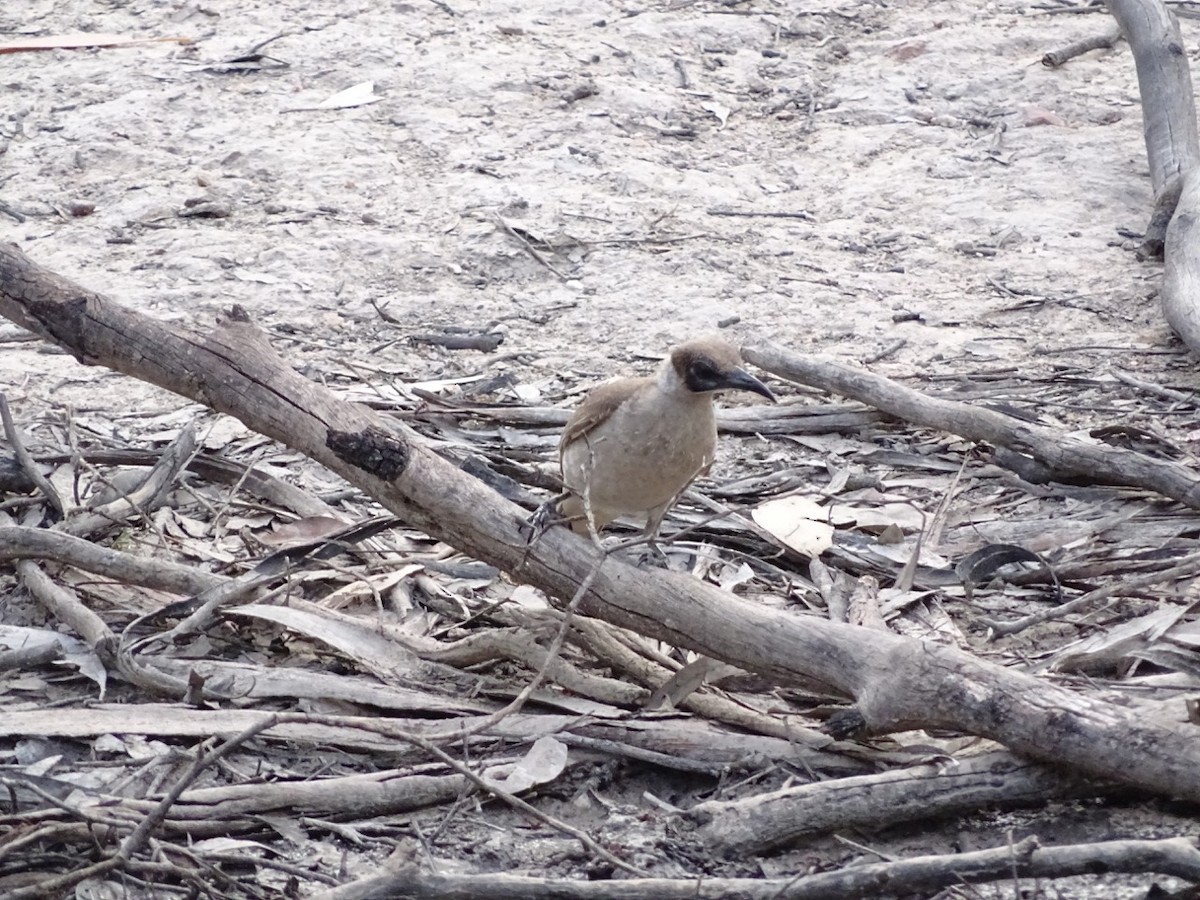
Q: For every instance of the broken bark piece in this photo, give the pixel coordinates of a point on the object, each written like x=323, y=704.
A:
x=484, y=342
x=1063, y=55
x=945, y=787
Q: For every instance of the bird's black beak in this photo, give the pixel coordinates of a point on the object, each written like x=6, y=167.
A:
x=741, y=380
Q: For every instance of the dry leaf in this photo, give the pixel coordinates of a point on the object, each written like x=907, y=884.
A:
x=731, y=577
x=358, y=95
x=369, y=585
x=797, y=521
x=876, y=518
x=529, y=597
x=374, y=652
x=721, y=112
x=73, y=651
x=222, y=432
x=544, y=762
x=303, y=531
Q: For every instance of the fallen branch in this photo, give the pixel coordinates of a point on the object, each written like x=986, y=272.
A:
x=141, y=834
x=1063, y=458
x=766, y=821
x=1061, y=56
x=1189, y=567
x=923, y=874
x=17, y=542
x=897, y=682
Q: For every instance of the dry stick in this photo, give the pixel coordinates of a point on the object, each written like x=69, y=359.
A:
x=26, y=461
x=898, y=683
x=428, y=745
x=1064, y=457
x=557, y=824
x=21, y=542
x=222, y=471
x=886, y=351
x=75, y=812
x=1062, y=55
x=752, y=214
x=59, y=884
x=206, y=876
x=137, y=839
x=483, y=342
x=520, y=645
x=1189, y=566
x=30, y=657
x=654, y=757
x=923, y=874
x=302, y=873
x=1157, y=390
x=552, y=652
x=528, y=247
x=148, y=496
x=767, y=821
x=65, y=606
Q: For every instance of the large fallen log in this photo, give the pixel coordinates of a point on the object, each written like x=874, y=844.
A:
x=896, y=682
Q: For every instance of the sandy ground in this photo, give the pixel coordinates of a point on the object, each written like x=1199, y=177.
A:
x=937, y=185
x=933, y=152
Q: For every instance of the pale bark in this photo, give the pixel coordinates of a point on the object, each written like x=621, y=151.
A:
x=1173, y=151
x=923, y=874
x=1047, y=453
x=896, y=682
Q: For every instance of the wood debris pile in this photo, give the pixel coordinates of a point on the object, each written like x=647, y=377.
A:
x=228, y=672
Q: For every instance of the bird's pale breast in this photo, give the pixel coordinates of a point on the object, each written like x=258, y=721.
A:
x=642, y=455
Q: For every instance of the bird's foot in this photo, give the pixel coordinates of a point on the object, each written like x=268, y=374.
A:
x=541, y=519
x=654, y=556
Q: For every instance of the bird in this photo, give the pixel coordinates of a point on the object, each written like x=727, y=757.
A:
x=633, y=445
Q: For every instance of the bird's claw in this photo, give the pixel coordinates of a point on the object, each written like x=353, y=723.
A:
x=654, y=555
x=541, y=519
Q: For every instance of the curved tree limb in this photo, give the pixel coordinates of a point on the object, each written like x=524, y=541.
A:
x=897, y=682
x=1062, y=457
x=1173, y=150
x=1168, y=107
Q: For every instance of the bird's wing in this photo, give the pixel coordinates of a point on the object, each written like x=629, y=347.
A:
x=597, y=407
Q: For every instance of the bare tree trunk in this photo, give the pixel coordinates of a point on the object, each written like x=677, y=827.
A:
x=896, y=682
x=1173, y=150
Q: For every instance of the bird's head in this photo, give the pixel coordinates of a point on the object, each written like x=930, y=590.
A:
x=713, y=364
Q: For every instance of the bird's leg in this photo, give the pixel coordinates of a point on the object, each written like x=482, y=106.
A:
x=654, y=520
x=543, y=517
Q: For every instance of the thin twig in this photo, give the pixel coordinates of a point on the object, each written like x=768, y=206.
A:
x=27, y=464
x=1150, y=387
x=140, y=835
x=552, y=652
x=753, y=214
x=427, y=744
x=528, y=247
x=1189, y=566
